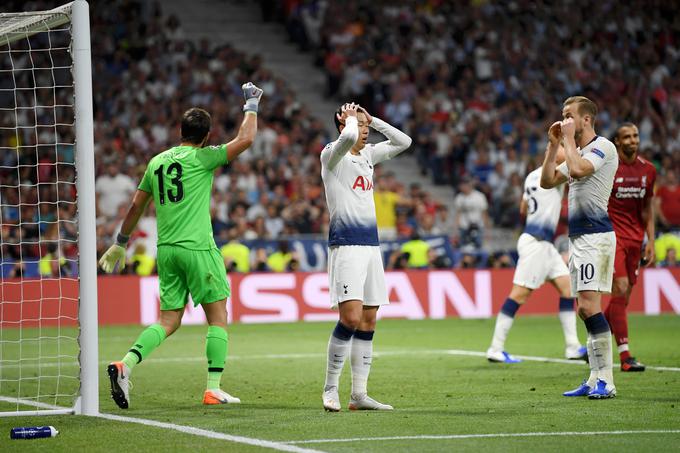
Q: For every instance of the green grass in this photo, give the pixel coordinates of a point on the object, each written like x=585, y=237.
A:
x=433, y=393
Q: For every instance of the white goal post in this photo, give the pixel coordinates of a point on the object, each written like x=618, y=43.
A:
x=48, y=271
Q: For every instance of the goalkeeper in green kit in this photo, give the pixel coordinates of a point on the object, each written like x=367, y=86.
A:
x=180, y=182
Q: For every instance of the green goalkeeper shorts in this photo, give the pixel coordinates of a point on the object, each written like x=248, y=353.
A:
x=200, y=273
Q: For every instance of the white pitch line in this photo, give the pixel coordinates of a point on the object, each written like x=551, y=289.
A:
x=482, y=436
x=210, y=434
x=317, y=355
x=181, y=428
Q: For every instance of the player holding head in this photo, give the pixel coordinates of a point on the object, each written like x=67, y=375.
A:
x=539, y=261
x=591, y=162
x=179, y=181
x=355, y=267
x=632, y=214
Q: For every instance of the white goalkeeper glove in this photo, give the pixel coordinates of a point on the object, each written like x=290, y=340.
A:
x=113, y=256
x=252, y=94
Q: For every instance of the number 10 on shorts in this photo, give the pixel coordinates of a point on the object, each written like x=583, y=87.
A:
x=586, y=272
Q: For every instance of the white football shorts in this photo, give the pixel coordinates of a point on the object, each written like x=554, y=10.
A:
x=538, y=261
x=591, y=261
x=355, y=272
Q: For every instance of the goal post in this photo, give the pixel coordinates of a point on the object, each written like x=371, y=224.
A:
x=48, y=270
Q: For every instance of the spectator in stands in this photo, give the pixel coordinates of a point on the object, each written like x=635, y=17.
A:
x=667, y=241
x=471, y=216
x=52, y=264
x=667, y=201
x=398, y=260
x=236, y=255
x=500, y=260
x=260, y=260
x=468, y=261
x=671, y=259
x=417, y=250
x=141, y=263
x=113, y=189
x=386, y=202
x=438, y=260
x=279, y=260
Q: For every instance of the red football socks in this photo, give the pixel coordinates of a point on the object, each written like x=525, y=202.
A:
x=618, y=321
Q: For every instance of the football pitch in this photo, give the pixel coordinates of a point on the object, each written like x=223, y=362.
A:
x=447, y=397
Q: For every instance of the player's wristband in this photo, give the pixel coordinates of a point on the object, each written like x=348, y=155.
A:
x=251, y=105
x=122, y=240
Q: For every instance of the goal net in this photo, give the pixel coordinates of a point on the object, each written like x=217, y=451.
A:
x=48, y=323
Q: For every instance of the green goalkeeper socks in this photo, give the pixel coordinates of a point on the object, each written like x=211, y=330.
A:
x=147, y=341
x=216, y=352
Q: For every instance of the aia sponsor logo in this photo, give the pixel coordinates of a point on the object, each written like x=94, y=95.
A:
x=362, y=183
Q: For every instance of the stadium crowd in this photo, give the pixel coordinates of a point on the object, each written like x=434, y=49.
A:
x=477, y=86
x=475, y=100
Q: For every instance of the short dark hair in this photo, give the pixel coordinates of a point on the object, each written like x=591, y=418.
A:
x=618, y=130
x=195, y=125
x=337, y=113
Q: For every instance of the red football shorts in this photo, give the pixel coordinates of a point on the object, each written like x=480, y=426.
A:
x=627, y=260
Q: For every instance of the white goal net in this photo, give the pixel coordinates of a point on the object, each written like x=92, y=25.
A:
x=45, y=280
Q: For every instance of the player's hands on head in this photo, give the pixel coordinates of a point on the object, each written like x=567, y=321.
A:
x=252, y=94
x=347, y=110
x=555, y=133
x=568, y=128
x=369, y=118
x=111, y=257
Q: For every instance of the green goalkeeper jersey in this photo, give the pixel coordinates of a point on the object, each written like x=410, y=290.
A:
x=180, y=180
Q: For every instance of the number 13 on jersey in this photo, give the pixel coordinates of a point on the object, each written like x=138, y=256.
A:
x=174, y=172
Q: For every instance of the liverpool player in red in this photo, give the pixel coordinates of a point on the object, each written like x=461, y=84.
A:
x=632, y=214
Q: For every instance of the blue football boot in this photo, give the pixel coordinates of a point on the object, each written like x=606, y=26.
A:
x=602, y=391
x=582, y=390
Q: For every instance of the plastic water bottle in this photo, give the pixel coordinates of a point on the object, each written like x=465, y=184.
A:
x=33, y=432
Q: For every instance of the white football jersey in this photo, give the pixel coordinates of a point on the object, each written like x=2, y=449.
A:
x=589, y=196
x=348, y=182
x=544, y=206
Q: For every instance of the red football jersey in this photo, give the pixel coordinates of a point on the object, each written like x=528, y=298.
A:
x=633, y=187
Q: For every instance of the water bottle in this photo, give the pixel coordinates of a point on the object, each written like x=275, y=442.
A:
x=33, y=432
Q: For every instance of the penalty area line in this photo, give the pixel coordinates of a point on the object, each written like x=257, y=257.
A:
x=483, y=436
x=209, y=434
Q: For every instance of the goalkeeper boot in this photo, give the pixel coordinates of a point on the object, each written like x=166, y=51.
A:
x=602, y=390
x=630, y=364
x=500, y=357
x=366, y=403
x=119, y=375
x=577, y=353
x=582, y=390
x=331, y=399
x=219, y=396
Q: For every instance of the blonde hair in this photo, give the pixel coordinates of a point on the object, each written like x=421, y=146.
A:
x=585, y=106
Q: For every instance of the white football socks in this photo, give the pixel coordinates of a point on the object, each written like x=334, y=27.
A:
x=337, y=353
x=592, y=379
x=361, y=357
x=568, y=321
x=602, y=356
x=500, y=333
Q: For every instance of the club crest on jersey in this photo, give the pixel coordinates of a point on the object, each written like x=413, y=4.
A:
x=362, y=183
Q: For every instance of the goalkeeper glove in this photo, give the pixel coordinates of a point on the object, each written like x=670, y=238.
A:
x=252, y=94
x=113, y=255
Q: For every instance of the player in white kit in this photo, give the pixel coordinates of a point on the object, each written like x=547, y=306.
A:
x=355, y=267
x=590, y=168
x=539, y=261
